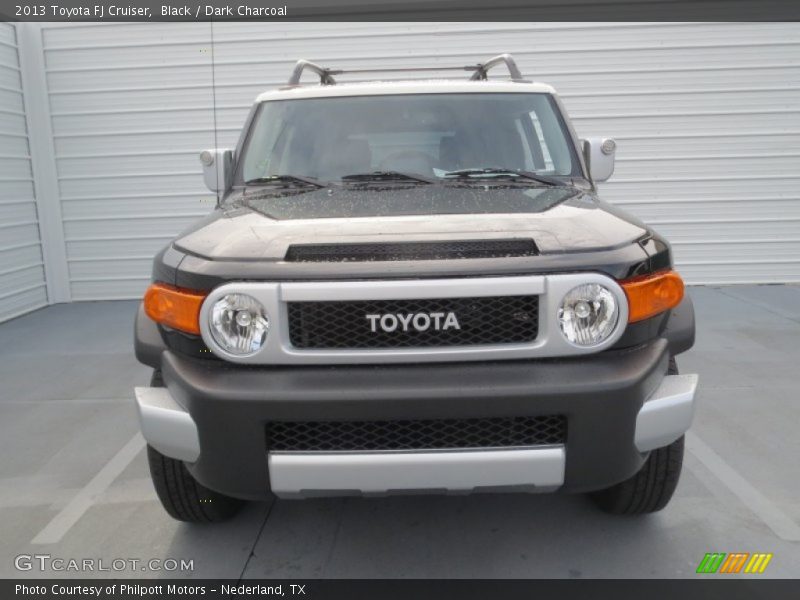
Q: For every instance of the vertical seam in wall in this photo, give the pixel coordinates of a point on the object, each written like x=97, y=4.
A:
x=39, y=126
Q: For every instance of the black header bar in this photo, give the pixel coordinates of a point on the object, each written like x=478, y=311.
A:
x=400, y=10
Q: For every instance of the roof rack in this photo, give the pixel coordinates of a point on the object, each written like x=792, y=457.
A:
x=480, y=71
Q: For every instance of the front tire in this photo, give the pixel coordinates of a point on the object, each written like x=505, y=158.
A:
x=652, y=487
x=181, y=495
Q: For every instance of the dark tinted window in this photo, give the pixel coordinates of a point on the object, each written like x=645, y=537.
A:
x=428, y=134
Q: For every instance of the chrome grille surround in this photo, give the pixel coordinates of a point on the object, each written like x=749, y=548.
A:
x=278, y=349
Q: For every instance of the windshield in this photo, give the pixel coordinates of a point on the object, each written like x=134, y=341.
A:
x=423, y=134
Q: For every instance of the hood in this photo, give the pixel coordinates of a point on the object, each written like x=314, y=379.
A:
x=263, y=225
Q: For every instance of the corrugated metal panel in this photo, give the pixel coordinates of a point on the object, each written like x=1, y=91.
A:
x=129, y=178
x=707, y=117
x=22, y=283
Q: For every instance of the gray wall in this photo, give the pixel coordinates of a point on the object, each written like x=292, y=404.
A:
x=707, y=118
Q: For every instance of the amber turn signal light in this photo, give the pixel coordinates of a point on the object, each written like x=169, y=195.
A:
x=174, y=307
x=652, y=294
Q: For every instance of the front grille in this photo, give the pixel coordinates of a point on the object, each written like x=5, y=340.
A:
x=491, y=320
x=382, y=251
x=500, y=432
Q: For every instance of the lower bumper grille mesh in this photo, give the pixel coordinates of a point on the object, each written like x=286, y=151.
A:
x=499, y=432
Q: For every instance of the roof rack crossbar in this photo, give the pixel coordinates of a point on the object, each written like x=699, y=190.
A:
x=400, y=70
x=481, y=70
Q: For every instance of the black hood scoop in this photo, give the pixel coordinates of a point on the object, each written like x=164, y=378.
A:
x=396, y=251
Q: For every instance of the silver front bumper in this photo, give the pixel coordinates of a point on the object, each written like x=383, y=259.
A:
x=170, y=429
x=667, y=414
x=165, y=424
x=299, y=474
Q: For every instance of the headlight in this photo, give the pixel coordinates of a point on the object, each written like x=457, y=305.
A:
x=588, y=314
x=239, y=324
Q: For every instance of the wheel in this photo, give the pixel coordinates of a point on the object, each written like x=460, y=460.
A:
x=181, y=495
x=652, y=487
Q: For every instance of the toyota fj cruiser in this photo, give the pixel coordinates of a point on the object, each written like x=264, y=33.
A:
x=412, y=286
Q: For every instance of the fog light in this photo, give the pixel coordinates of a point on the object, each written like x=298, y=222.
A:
x=239, y=324
x=588, y=314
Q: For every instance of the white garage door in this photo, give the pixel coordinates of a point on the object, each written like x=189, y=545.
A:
x=22, y=283
x=707, y=117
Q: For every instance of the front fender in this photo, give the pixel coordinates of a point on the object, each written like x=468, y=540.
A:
x=147, y=341
x=680, y=330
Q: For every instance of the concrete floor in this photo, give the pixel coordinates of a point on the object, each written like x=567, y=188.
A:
x=74, y=480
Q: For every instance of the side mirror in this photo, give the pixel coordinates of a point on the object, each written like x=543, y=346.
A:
x=598, y=152
x=217, y=168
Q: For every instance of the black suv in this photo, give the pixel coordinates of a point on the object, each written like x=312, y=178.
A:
x=413, y=286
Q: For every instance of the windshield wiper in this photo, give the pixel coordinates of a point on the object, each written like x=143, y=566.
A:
x=286, y=180
x=384, y=176
x=500, y=173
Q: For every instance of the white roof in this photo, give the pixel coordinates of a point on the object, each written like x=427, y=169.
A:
x=377, y=88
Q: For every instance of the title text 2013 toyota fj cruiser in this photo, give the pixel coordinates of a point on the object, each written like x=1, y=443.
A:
x=412, y=286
